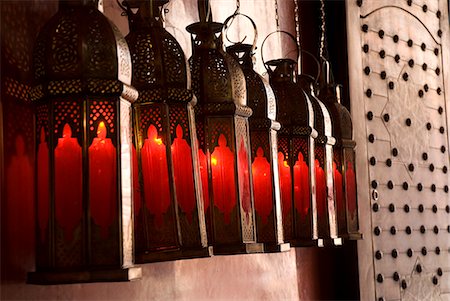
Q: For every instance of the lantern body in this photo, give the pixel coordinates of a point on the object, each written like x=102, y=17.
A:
x=168, y=204
x=323, y=164
x=344, y=164
x=264, y=153
x=224, y=144
x=83, y=103
x=296, y=156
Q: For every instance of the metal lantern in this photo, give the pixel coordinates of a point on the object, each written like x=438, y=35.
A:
x=323, y=164
x=83, y=130
x=344, y=156
x=168, y=202
x=296, y=142
x=223, y=133
x=264, y=154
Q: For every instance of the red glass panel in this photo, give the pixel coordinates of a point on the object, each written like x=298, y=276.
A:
x=103, y=180
x=321, y=189
x=301, y=186
x=285, y=184
x=262, y=185
x=136, y=186
x=338, y=188
x=43, y=190
x=351, y=190
x=204, y=176
x=155, y=175
x=183, y=174
x=68, y=182
x=244, y=178
x=223, y=178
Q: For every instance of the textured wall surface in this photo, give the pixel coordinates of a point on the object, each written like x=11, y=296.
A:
x=397, y=51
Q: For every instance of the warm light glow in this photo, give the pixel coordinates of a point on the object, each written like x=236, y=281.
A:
x=101, y=130
x=213, y=161
x=285, y=164
x=158, y=141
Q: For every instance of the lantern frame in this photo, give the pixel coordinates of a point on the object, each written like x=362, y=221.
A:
x=165, y=105
x=223, y=133
x=83, y=101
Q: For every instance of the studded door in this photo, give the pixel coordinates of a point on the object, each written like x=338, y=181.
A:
x=397, y=50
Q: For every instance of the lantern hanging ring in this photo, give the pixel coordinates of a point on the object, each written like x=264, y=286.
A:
x=229, y=22
x=297, y=48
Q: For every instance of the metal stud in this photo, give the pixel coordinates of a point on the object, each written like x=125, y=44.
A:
x=380, y=278
x=397, y=58
x=383, y=74
x=381, y=33
x=437, y=250
x=409, y=252
x=424, y=67
x=369, y=93
x=424, y=251
x=371, y=138
x=378, y=255
x=431, y=167
x=374, y=184
x=367, y=70
x=386, y=117
x=438, y=71
x=440, y=110
x=373, y=161
x=365, y=28
x=423, y=229
x=370, y=115
x=404, y=285
x=359, y=2
x=438, y=14
x=433, y=187
x=390, y=184
x=439, y=271
x=435, y=280
x=447, y=208
x=424, y=8
x=408, y=121
x=425, y=156
x=405, y=76
x=366, y=48
x=388, y=162
x=408, y=230
x=405, y=186
x=375, y=207
x=425, y=87
x=395, y=38
x=411, y=63
x=438, y=91
x=423, y=46
x=420, y=187
x=410, y=43
x=444, y=169
x=446, y=188
x=391, y=85
x=436, y=230
x=434, y=209
x=441, y=130
x=420, y=93
x=393, y=230
x=443, y=149
x=395, y=152
x=439, y=33
x=418, y=268
x=391, y=207
x=406, y=208
x=421, y=209
x=409, y=2
x=411, y=167
x=394, y=253
x=382, y=54
x=377, y=231
x=436, y=51
x=428, y=126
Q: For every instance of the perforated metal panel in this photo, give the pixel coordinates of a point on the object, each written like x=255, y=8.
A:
x=403, y=129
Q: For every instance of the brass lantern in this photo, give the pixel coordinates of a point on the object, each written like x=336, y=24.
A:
x=168, y=203
x=344, y=156
x=83, y=101
x=224, y=144
x=296, y=142
x=323, y=164
x=264, y=153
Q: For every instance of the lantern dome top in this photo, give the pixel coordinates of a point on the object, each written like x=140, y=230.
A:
x=80, y=51
x=260, y=96
x=159, y=64
x=216, y=76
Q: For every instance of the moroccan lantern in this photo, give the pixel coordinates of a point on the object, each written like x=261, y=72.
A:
x=264, y=154
x=83, y=97
x=344, y=156
x=224, y=144
x=323, y=164
x=168, y=202
x=296, y=160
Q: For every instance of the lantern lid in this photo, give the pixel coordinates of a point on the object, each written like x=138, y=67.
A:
x=260, y=96
x=331, y=94
x=80, y=51
x=294, y=105
x=159, y=64
x=216, y=76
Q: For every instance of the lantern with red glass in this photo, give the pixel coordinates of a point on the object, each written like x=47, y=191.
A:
x=223, y=133
x=344, y=156
x=296, y=143
x=323, y=164
x=168, y=203
x=264, y=154
x=83, y=100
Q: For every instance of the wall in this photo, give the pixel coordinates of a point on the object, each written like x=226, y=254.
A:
x=299, y=274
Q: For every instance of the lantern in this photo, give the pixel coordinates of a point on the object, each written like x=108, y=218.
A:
x=223, y=133
x=168, y=203
x=83, y=98
x=344, y=156
x=296, y=142
x=264, y=154
x=323, y=165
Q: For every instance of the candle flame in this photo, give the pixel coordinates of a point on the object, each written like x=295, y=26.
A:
x=213, y=161
x=285, y=164
x=158, y=141
x=101, y=130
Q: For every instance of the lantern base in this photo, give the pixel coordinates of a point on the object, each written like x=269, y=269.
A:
x=299, y=243
x=173, y=254
x=85, y=276
x=333, y=242
x=245, y=248
x=276, y=248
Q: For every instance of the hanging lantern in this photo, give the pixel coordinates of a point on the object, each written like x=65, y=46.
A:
x=323, y=165
x=223, y=133
x=83, y=98
x=344, y=156
x=264, y=154
x=168, y=203
x=296, y=142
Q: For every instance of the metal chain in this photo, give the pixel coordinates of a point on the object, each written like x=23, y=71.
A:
x=297, y=23
x=323, y=37
x=277, y=17
x=238, y=6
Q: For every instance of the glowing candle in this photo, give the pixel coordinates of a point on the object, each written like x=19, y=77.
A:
x=338, y=188
x=103, y=180
x=244, y=180
x=183, y=173
x=285, y=185
x=43, y=192
x=204, y=177
x=68, y=182
x=321, y=187
x=223, y=178
x=155, y=175
x=262, y=185
x=301, y=186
